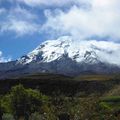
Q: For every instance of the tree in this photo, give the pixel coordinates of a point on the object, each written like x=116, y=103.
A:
x=25, y=101
x=18, y=101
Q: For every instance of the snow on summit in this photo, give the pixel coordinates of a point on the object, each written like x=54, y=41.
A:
x=91, y=51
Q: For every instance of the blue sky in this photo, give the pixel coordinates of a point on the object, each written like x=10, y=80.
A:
x=15, y=43
x=24, y=24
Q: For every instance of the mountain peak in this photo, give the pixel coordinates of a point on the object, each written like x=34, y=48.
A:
x=90, y=52
x=67, y=56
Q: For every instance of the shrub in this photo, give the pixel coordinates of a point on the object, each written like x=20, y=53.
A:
x=7, y=117
x=23, y=102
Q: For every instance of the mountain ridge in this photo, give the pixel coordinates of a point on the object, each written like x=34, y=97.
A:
x=66, y=56
x=78, y=50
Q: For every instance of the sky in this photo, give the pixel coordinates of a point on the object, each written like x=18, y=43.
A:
x=24, y=24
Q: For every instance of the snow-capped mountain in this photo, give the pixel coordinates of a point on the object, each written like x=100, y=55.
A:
x=90, y=52
x=67, y=56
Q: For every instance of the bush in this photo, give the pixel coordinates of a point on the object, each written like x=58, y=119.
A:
x=36, y=116
x=7, y=117
x=23, y=102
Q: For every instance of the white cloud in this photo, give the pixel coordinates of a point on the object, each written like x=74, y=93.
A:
x=20, y=27
x=3, y=59
x=21, y=14
x=20, y=21
x=83, y=19
x=107, y=51
x=101, y=19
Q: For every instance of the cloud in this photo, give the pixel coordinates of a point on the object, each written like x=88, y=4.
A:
x=3, y=59
x=47, y=2
x=19, y=21
x=107, y=51
x=83, y=19
x=21, y=13
x=101, y=18
x=19, y=27
x=2, y=10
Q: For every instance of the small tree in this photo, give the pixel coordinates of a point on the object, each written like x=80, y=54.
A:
x=25, y=101
x=18, y=101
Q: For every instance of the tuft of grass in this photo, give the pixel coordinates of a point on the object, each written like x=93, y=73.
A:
x=111, y=99
x=111, y=103
x=105, y=105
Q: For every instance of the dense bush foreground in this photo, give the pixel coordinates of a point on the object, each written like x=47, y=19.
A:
x=28, y=104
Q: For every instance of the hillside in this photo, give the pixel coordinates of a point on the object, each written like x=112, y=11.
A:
x=49, y=83
x=85, y=97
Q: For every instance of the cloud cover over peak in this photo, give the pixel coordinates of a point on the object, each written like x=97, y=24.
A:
x=101, y=18
x=79, y=18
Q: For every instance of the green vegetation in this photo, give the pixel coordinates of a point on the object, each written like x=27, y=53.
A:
x=111, y=104
x=56, y=97
x=21, y=102
x=28, y=104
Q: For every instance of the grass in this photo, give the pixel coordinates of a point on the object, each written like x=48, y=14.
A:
x=95, y=77
x=111, y=99
x=111, y=103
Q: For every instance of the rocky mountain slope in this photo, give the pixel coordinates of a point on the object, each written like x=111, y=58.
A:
x=67, y=56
